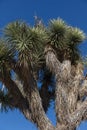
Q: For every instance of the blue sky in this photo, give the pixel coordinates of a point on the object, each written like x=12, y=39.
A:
x=73, y=12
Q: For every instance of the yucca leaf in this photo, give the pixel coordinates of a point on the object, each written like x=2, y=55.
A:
x=75, y=35
x=57, y=31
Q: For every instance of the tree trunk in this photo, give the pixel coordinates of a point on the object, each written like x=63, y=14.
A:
x=68, y=87
x=68, y=84
x=70, y=110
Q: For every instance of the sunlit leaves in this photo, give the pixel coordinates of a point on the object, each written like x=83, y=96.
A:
x=16, y=35
x=25, y=40
x=57, y=31
x=27, y=43
x=65, y=39
x=75, y=35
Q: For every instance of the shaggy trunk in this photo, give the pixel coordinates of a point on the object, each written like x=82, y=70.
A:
x=70, y=88
x=69, y=109
x=30, y=88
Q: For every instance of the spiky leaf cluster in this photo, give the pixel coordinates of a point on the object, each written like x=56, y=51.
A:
x=28, y=43
x=57, y=30
x=65, y=39
x=75, y=35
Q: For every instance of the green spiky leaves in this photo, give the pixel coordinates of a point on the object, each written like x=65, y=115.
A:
x=27, y=43
x=65, y=39
x=75, y=35
x=61, y=34
x=57, y=30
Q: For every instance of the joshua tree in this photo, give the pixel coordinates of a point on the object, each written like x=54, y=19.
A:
x=26, y=52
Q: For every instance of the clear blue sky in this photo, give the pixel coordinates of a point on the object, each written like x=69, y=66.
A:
x=73, y=12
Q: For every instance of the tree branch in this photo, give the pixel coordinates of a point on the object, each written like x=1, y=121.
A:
x=83, y=89
x=32, y=94
x=51, y=61
x=18, y=100
x=62, y=73
x=76, y=117
x=38, y=115
x=74, y=84
x=45, y=95
x=61, y=103
x=20, y=87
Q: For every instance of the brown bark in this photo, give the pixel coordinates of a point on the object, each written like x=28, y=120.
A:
x=83, y=89
x=70, y=110
x=74, y=84
x=68, y=88
x=62, y=75
x=32, y=94
x=38, y=114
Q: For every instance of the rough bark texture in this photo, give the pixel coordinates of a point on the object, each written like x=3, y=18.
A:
x=70, y=89
x=69, y=86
